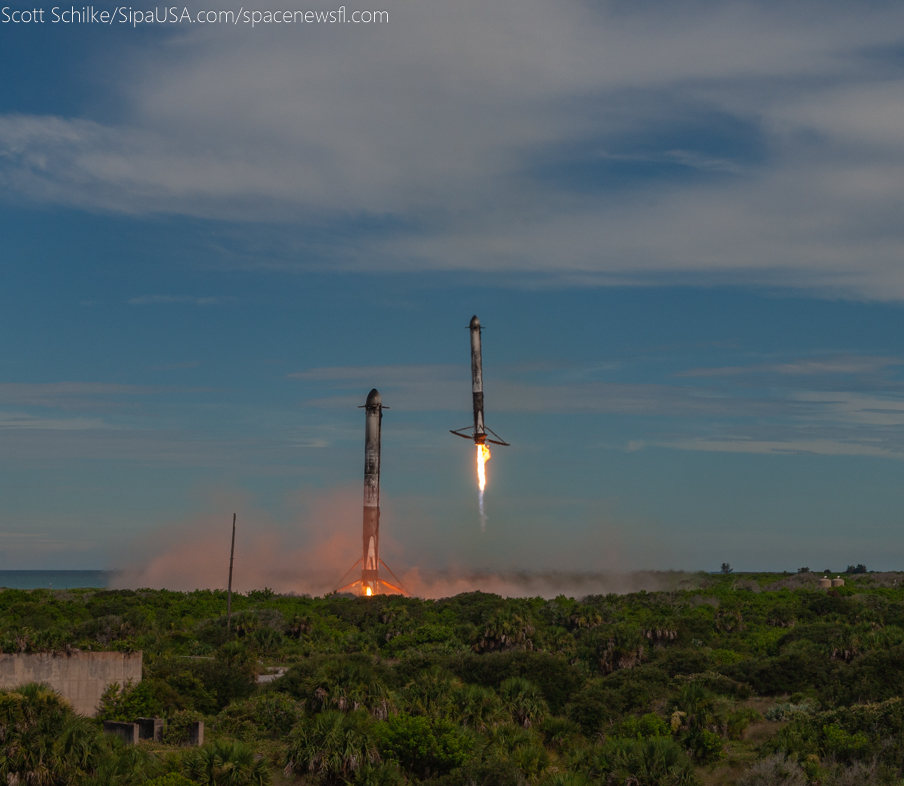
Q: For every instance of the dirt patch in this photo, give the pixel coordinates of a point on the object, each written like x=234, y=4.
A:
x=724, y=774
x=763, y=703
x=757, y=733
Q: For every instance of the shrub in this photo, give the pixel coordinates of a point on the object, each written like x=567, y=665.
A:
x=659, y=761
x=739, y=720
x=559, y=732
x=706, y=746
x=566, y=779
x=268, y=714
x=129, y=702
x=379, y=774
x=226, y=763
x=171, y=779
x=776, y=770
x=347, y=685
x=843, y=745
x=493, y=772
x=789, y=711
x=44, y=742
x=642, y=728
x=423, y=746
x=559, y=680
x=175, y=730
x=331, y=746
x=523, y=700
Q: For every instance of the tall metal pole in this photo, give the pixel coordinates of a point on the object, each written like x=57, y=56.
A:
x=229, y=591
x=371, y=535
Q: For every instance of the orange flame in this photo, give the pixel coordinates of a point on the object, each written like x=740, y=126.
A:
x=368, y=592
x=483, y=455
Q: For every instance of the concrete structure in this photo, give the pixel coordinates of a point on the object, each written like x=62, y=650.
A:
x=838, y=582
x=825, y=582
x=80, y=677
x=196, y=733
x=127, y=732
x=150, y=729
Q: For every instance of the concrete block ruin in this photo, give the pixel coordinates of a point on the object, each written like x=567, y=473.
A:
x=127, y=732
x=196, y=734
x=80, y=677
x=150, y=729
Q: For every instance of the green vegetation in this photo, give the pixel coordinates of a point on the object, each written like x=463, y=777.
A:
x=751, y=679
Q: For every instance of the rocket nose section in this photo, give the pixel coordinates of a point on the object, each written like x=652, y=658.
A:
x=475, y=322
x=374, y=398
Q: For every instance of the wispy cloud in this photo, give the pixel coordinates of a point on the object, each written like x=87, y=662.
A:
x=10, y=420
x=725, y=412
x=70, y=395
x=816, y=447
x=430, y=130
x=845, y=364
x=146, y=300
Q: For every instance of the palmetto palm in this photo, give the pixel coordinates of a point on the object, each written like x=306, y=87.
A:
x=658, y=761
x=127, y=766
x=43, y=742
x=432, y=693
x=505, y=631
x=348, y=686
x=227, y=763
x=503, y=740
x=479, y=708
x=78, y=746
x=331, y=746
x=566, y=779
x=523, y=700
x=698, y=704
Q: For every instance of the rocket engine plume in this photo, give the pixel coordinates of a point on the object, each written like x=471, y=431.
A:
x=483, y=455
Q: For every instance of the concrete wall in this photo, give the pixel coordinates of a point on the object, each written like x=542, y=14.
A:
x=81, y=677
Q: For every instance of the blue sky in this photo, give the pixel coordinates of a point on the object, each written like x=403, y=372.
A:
x=681, y=224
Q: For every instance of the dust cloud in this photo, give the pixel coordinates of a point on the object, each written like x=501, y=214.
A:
x=546, y=584
x=312, y=554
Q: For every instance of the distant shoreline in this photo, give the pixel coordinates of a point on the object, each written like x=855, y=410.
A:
x=56, y=579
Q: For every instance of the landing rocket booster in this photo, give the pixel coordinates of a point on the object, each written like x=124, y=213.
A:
x=370, y=582
x=477, y=432
x=370, y=559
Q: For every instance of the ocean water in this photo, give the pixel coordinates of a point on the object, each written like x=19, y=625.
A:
x=55, y=579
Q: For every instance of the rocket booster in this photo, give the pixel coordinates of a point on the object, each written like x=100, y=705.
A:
x=370, y=582
x=478, y=432
x=371, y=540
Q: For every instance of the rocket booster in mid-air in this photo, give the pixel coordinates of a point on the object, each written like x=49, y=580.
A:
x=478, y=432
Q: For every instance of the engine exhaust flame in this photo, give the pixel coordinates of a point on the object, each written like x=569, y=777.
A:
x=368, y=592
x=483, y=455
